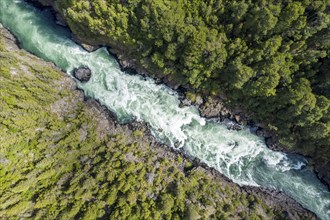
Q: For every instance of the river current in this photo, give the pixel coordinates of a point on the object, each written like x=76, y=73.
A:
x=240, y=155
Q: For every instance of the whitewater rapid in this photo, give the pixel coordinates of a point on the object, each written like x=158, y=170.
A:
x=240, y=155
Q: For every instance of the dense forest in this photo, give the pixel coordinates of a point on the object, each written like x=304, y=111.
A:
x=62, y=158
x=271, y=58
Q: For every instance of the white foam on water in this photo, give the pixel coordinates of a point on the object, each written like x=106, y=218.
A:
x=240, y=155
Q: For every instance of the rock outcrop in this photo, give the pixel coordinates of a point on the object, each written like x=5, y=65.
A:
x=83, y=74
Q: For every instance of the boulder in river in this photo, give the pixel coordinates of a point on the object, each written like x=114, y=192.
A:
x=83, y=74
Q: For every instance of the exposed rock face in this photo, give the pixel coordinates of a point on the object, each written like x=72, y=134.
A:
x=8, y=38
x=213, y=109
x=231, y=125
x=199, y=100
x=185, y=102
x=83, y=74
x=88, y=47
x=322, y=172
x=264, y=133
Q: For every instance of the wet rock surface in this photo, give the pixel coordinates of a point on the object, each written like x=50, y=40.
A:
x=83, y=74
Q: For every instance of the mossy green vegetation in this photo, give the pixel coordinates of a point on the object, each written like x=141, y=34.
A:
x=270, y=58
x=62, y=158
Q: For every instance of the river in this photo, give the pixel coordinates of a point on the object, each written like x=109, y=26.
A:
x=240, y=155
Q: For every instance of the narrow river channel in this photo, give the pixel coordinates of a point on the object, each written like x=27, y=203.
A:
x=240, y=155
